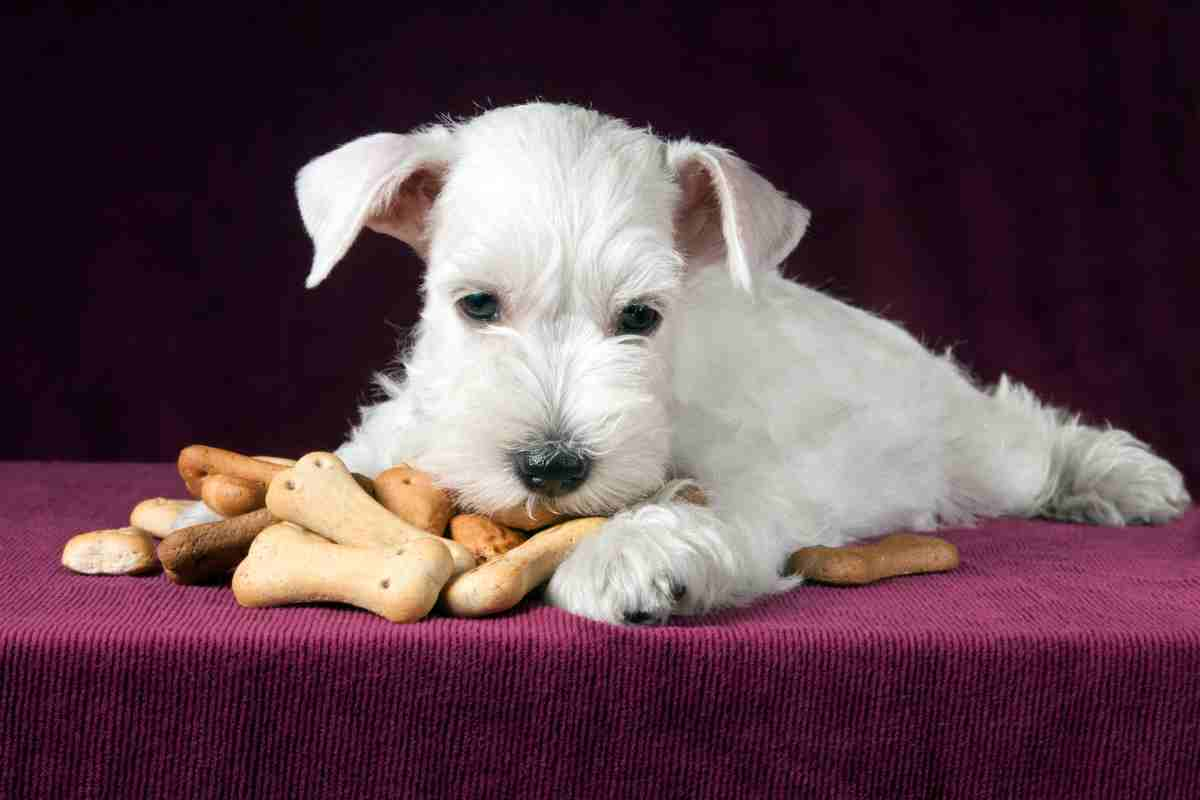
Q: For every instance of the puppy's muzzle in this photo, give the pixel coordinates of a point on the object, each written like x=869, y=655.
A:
x=552, y=469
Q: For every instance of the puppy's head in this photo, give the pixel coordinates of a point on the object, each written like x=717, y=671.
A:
x=559, y=244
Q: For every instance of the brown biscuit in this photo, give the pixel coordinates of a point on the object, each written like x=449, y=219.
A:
x=232, y=497
x=204, y=553
x=483, y=537
x=521, y=519
x=198, y=461
x=411, y=495
x=896, y=554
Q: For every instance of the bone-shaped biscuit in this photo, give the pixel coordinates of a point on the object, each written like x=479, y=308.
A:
x=854, y=565
x=501, y=583
x=288, y=564
x=320, y=494
x=229, y=483
x=198, y=461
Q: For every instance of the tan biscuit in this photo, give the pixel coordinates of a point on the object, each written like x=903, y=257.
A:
x=288, y=564
x=118, y=551
x=320, y=494
x=199, y=461
x=896, y=554
x=411, y=495
x=230, y=496
x=501, y=583
x=483, y=537
x=521, y=518
x=156, y=515
x=208, y=552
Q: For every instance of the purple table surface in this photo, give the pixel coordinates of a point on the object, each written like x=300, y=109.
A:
x=1057, y=661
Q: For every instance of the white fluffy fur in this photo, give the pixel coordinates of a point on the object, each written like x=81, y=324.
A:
x=806, y=420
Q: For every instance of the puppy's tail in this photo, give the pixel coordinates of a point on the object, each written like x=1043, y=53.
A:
x=1014, y=456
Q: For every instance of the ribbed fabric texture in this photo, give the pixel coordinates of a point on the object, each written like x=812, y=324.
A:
x=1058, y=661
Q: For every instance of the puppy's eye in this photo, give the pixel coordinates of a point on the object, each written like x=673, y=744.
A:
x=638, y=319
x=480, y=306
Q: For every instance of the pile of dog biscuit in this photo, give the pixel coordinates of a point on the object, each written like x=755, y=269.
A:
x=312, y=531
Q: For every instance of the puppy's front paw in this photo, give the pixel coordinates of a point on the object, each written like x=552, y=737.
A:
x=663, y=608
x=645, y=565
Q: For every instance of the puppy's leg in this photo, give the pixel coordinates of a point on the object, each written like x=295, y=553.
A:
x=1012, y=456
x=386, y=435
x=660, y=558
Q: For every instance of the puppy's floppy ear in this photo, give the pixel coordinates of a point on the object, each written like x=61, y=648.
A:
x=386, y=182
x=729, y=212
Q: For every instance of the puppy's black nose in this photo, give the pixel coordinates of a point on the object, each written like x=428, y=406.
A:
x=552, y=470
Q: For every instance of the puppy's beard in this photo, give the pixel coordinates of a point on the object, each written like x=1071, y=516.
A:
x=601, y=396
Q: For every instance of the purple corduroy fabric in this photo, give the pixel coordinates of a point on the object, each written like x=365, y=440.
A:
x=1058, y=661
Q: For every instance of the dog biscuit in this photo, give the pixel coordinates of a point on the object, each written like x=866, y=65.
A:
x=208, y=552
x=854, y=565
x=483, y=537
x=320, y=494
x=521, y=518
x=156, y=515
x=501, y=583
x=230, y=496
x=288, y=564
x=283, y=462
x=197, y=461
x=412, y=496
x=118, y=551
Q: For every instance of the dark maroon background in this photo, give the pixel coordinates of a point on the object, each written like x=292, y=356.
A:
x=1021, y=187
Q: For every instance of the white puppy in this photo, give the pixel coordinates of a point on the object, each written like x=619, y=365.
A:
x=603, y=316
